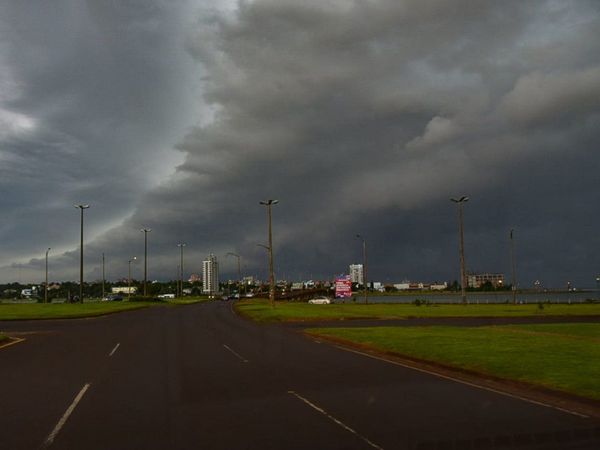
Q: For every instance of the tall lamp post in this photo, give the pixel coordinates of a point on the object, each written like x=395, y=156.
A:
x=268, y=204
x=463, y=276
x=103, y=276
x=513, y=266
x=146, y=231
x=364, y=244
x=81, y=207
x=181, y=245
x=239, y=272
x=46, y=287
x=129, y=278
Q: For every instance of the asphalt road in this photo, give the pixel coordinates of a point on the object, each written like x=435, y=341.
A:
x=199, y=377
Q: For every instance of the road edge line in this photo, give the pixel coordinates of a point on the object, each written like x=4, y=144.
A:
x=13, y=341
x=467, y=383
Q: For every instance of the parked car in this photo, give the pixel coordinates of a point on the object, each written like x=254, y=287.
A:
x=166, y=296
x=320, y=301
x=113, y=298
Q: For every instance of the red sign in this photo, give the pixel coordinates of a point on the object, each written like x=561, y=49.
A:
x=343, y=287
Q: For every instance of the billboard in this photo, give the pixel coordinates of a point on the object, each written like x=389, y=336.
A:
x=343, y=287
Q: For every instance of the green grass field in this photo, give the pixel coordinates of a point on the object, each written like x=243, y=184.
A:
x=259, y=310
x=563, y=356
x=31, y=311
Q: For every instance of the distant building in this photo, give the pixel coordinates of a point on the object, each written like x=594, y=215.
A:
x=476, y=280
x=194, y=278
x=124, y=290
x=356, y=273
x=210, y=275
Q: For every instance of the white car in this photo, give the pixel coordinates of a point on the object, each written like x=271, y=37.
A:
x=166, y=296
x=320, y=301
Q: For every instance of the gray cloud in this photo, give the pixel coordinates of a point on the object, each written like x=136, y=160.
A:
x=360, y=117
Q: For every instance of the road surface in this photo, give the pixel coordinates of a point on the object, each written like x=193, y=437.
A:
x=200, y=377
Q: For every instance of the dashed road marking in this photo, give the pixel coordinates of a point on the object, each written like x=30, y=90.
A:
x=236, y=353
x=337, y=421
x=114, y=349
x=50, y=439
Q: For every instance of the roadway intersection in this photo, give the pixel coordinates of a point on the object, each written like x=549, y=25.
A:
x=199, y=376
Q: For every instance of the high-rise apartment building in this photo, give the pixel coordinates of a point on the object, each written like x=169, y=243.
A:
x=356, y=273
x=210, y=275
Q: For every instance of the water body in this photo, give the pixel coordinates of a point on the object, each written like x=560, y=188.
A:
x=483, y=297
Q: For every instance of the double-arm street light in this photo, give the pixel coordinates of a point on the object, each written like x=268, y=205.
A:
x=364, y=245
x=81, y=207
x=239, y=272
x=146, y=231
x=181, y=246
x=129, y=278
x=46, y=287
x=463, y=276
x=268, y=204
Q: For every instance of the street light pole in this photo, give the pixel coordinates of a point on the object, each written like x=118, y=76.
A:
x=364, y=242
x=514, y=266
x=239, y=272
x=146, y=231
x=181, y=269
x=463, y=276
x=268, y=204
x=103, y=276
x=46, y=287
x=81, y=207
x=129, y=278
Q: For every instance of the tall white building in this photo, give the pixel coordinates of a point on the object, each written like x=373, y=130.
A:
x=210, y=275
x=356, y=273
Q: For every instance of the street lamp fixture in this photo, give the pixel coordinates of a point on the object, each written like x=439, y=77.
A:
x=181, y=246
x=146, y=231
x=268, y=204
x=365, y=283
x=81, y=207
x=46, y=286
x=129, y=278
x=463, y=276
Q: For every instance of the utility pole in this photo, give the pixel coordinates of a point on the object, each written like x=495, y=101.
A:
x=268, y=204
x=81, y=207
x=239, y=272
x=129, y=278
x=146, y=231
x=463, y=276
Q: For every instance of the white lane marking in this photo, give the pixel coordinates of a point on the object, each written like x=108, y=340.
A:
x=457, y=380
x=66, y=415
x=13, y=341
x=114, y=349
x=236, y=354
x=330, y=417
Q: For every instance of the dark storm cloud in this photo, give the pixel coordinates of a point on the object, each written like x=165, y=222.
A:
x=365, y=117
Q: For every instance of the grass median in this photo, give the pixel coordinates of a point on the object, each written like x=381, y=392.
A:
x=259, y=310
x=564, y=356
x=32, y=311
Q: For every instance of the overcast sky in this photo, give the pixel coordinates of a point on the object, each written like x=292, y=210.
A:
x=359, y=117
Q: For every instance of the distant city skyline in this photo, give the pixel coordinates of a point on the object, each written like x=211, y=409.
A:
x=360, y=118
